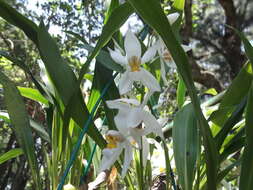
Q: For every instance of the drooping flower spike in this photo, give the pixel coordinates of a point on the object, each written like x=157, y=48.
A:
x=132, y=62
x=116, y=142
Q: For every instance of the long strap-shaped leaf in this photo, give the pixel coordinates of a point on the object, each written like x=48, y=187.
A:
x=153, y=14
x=20, y=121
x=246, y=178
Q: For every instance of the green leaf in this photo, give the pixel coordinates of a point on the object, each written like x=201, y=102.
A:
x=65, y=83
x=230, y=123
x=113, y=5
x=158, y=21
x=13, y=153
x=98, y=84
x=246, y=177
x=233, y=96
x=181, y=90
x=104, y=58
x=37, y=127
x=186, y=145
x=26, y=69
x=117, y=18
x=32, y=94
x=14, y=17
x=40, y=130
x=20, y=121
x=178, y=4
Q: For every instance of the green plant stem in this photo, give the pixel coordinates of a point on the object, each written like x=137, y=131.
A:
x=169, y=172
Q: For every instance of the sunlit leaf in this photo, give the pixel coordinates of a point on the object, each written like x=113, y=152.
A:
x=33, y=94
x=178, y=4
x=13, y=153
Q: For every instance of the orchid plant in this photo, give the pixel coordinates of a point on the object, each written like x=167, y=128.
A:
x=133, y=120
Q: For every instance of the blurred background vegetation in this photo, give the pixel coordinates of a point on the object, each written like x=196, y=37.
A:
x=216, y=58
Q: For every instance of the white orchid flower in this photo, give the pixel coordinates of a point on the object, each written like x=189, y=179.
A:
x=163, y=52
x=132, y=62
x=133, y=120
x=116, y=142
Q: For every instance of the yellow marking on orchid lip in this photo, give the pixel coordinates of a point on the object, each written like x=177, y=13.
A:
x=112, y=141
x=134, y=63
x=161, y=169
x=167, y=56
x=133, y=142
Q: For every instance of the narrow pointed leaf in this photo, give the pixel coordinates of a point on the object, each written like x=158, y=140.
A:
x=20, y=121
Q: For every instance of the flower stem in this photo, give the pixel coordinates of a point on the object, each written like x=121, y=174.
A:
x=169, y=172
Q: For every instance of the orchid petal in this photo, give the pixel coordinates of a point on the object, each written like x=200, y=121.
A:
x=149, y=54
x=134, y=117
x=118, y=57
x=102, y=177
x=132, y=45
x=121, y=126
x=109, y=157
x=125, y=83
x=118, y=104
x=173, y=17
x=151, y=124
x=148, y=80
x=128, y=156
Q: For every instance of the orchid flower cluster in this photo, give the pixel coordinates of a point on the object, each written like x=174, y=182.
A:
x=132, y=120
